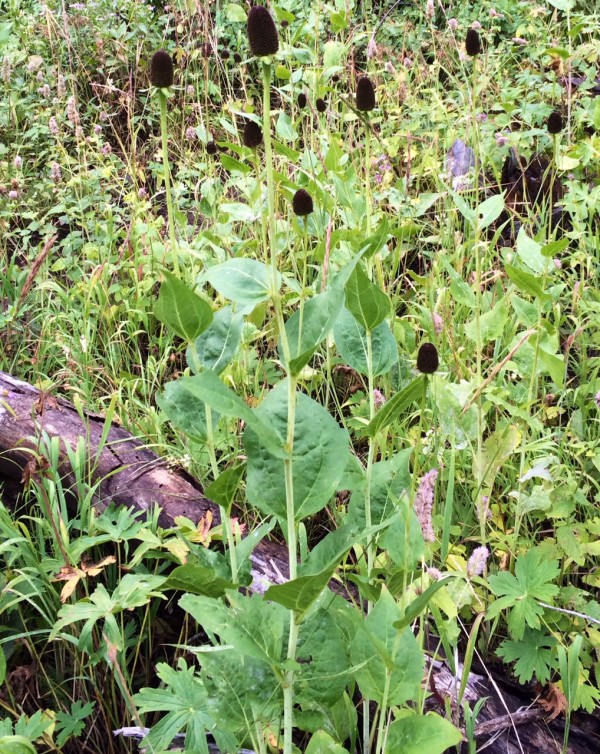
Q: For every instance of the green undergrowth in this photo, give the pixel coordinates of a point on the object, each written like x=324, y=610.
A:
x=369, y=328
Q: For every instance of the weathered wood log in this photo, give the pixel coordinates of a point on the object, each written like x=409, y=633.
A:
x=124, y=470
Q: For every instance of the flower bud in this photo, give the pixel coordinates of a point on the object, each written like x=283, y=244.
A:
x=554, y=123
x=161, y=70
x=365, y=94
x=427, y=359
x=473, y=43
x=252, y=134
x=302, y=203
x=262, y=33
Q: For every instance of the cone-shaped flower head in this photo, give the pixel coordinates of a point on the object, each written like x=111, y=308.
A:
x=252, y=134
x=211, y=147
x=302, y=100
x=427, y=359
x=302, y=203
x=473, y=43
x=321, y=105
x=555, y=123
x=365, y=94
x=262, y=34
x=161, y=69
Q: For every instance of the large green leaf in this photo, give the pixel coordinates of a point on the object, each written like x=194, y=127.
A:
x=252, y=626
x=491, y=324
x=389, y=479
x=181, y=309
x=351, y=341
x=245, y=281
x=323, y=657
x=215, y=347
x=388, y=663
x=323, y=743
x=224, y=487
x=315, y=321
x=403, y=540
x=489, y=210
x=185, y=409
x=208, y=388
x=197, y=579
x=319, y=458
x=526, y=282
x=368, y=304
x=422, y=734
x=299, y=594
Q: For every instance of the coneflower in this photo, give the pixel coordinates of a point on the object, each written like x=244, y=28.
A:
x=262, y=33
x=302, y=203
x=427, y=359
x=225, y=54
x=473, y=43
x=211, y=147
x=321, y=105
x=237, y=58
x=302, y=100
x=554, y=123
x=253, y=135
x=365, y=94
x=161, y=70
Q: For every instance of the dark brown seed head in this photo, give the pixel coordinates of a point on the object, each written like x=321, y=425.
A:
x=262, y=34
x=473, y=43
x=302, y=203
x=302, y=100
x=224, y=54
x=320, y=105
x=237, y=58
x=427, y=359
x=161, y=69
x=554, y=123
x=365, y=94
x=335, y=78
x=252, y=134
x=206, y=50
x=211, y=147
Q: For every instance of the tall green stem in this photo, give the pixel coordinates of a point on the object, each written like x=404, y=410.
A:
x=167, y=175
x=292, y=530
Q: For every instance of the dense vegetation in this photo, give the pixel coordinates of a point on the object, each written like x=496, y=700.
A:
x=340, y=262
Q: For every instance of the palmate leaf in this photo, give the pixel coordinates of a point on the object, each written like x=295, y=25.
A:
x=520, y=593
x=185, y=701
x=533, y=655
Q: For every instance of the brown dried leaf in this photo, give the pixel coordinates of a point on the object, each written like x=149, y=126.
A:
x=553, y=701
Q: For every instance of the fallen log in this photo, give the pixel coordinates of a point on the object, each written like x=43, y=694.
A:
x=124, y=471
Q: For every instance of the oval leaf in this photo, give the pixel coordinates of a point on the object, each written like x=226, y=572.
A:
x=181, y=309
